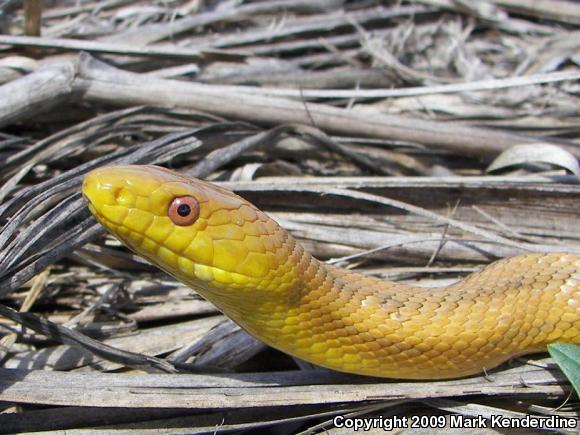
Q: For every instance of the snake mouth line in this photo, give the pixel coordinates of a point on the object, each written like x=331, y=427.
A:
x=88, y=201
x=110, y=226
x=92, y=208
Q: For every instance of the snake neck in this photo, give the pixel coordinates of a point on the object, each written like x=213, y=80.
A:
x=290, y=274
x=308, y=289
x=355, y=323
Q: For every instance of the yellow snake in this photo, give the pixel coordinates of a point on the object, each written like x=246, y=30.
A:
x=262, y=278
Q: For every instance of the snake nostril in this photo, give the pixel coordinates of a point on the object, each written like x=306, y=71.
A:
x=117, y=193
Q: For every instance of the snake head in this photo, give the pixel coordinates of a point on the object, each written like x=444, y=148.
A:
x=204, y=235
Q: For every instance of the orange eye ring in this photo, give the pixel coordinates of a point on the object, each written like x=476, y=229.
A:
x=183, y=211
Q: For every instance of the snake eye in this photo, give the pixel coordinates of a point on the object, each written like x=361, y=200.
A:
x=183, y=210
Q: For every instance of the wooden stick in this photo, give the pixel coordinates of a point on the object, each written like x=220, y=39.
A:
x=116, y=48
x=565, y=11
x=32, y=17
x=101, y=83
x=249, y=390
x=477, y=85
x=37, y=92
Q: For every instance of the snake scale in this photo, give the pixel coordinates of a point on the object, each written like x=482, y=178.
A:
x=262, y=278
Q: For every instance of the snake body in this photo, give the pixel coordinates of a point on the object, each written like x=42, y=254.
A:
x=262, y=278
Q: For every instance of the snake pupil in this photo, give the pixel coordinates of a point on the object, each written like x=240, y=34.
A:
x=183, y=210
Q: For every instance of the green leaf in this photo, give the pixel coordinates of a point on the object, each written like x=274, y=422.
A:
x=568, y=358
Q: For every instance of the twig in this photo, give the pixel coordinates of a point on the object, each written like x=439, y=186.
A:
x=117, y=48
x=32, y=17
x=96, y=84
x=65, y=335
x=474, y=86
